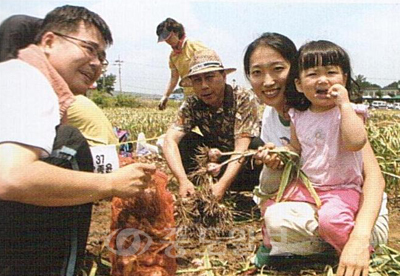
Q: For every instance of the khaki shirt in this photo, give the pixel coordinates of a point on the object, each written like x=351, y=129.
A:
x=180, y=62
x=86, y=116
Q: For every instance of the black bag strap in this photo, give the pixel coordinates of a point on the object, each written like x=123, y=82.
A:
x=68, y=154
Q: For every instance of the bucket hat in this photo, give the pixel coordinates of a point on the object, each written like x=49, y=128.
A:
x=203, y=62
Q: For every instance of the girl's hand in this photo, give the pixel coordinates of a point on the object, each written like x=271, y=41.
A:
x=271, y=160
x=339, y=94
x=354, y=259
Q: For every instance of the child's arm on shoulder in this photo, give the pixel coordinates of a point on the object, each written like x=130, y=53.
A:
x=354, y=136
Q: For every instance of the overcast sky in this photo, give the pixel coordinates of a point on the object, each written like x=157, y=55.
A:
x=368, y=30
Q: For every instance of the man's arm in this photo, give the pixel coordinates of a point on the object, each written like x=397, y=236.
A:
x=26, y=179
x=246, y=126
x=174, y=160
x=355, y=255
x=219, y=188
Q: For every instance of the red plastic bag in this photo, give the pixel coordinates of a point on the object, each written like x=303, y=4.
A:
x=143, y=231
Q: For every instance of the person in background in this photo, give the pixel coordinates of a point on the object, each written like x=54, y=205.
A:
x=17, y=32
x=183, y=49
x=37, y=90
x=86, y=116
x=267, y=63
x=227, y=120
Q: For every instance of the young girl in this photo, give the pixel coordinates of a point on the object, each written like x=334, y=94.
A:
x=328, y=132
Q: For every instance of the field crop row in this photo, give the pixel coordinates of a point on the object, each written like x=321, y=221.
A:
x=383, y=130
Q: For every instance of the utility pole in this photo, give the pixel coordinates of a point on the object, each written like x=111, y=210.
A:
x=119, y=62
x=104, y=82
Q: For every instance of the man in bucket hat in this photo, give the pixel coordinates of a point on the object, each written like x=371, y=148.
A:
x=226, y=118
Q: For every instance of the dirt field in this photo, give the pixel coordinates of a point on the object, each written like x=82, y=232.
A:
x=229, y=256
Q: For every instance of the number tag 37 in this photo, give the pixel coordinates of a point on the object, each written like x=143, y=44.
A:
x=105, y=159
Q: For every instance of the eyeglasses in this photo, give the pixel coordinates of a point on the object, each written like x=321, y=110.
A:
x=89, y=47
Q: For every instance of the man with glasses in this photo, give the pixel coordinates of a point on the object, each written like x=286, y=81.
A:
x=83, y=113
x=18, y=32
x=37, y=90
x=227, y=120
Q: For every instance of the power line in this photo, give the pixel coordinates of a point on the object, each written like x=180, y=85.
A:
x=146, y=88
x=148, y=65
x=141, y=76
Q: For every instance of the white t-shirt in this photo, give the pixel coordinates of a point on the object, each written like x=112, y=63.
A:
x=29, y=109
x=272, y=131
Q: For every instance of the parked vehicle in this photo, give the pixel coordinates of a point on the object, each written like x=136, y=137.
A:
x=177, y=97
x=379, y=105
x=396, y=106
